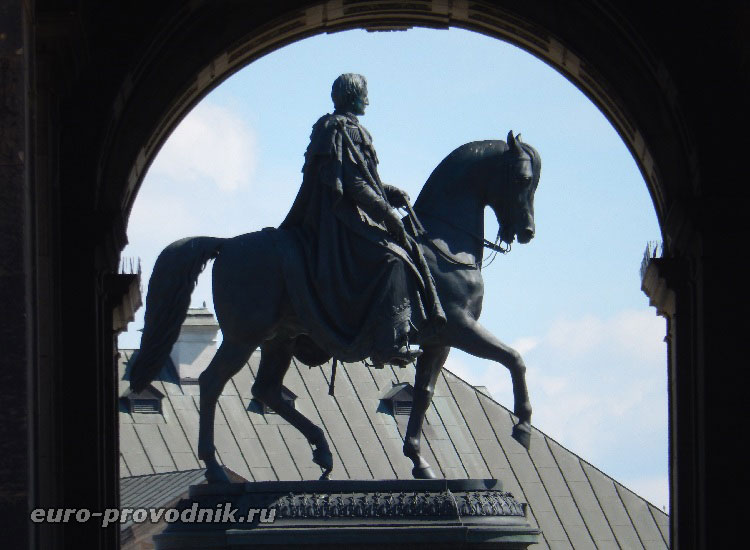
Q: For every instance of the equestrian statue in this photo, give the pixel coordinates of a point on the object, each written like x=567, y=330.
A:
x=345, y=277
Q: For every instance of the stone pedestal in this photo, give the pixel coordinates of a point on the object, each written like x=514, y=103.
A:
x=413, y=514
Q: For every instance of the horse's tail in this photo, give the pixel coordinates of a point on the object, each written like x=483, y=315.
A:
x=172, y=282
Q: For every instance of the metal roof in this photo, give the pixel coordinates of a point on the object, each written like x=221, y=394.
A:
x=466, y=434
x=157, y=490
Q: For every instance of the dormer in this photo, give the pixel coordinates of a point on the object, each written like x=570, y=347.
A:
x=399, y=398
x=196, y=344
x=147, y=401
x=287, y=395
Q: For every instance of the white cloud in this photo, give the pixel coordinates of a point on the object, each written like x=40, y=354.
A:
x=577, y=336
x=478, y=372
x=639, y=332
x=210, y=144
x=525, y=345
x=158, y=219
x=552, y=385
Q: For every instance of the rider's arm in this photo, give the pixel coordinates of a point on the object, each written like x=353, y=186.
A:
x=363, y=195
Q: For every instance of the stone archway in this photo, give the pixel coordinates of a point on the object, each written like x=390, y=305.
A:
x=541, y=33
x=99, y=88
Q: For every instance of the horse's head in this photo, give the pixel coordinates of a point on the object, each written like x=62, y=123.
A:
x=512, y=198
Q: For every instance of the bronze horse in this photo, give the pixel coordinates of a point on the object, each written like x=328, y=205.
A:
x=253, y=308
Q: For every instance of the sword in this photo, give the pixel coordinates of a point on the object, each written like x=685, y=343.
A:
x=417, y=224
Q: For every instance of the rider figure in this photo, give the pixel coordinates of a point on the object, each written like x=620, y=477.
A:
x=358, y=253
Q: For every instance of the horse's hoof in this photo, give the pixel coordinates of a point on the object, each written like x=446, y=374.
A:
x=522, y=434
x=216, y=474
x=323, y=458
x=325, y=474
x=424, y=472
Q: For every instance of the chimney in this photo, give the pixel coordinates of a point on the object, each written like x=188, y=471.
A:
x=196, y=345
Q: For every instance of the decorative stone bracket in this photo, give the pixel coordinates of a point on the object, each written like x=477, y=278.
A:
x=654, y=283
x=124, y=294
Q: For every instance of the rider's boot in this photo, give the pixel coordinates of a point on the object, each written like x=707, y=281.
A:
x=399, y=355
x=399, y=352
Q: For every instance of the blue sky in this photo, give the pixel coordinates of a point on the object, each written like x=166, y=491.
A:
x=569, y=301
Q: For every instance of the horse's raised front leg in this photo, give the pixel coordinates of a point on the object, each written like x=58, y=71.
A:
x=227, y=362
x=274, y=363
x=428, y=369
x=471, y=337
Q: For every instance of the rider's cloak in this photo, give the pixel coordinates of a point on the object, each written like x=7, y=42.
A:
x=350, y=283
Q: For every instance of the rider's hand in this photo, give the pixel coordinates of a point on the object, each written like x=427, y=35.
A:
x=401, y=199
x=395, y=227
x=397, y=197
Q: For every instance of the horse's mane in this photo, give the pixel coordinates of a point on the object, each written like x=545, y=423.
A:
x=467, y=153
x=455, y=166
x=468, y=157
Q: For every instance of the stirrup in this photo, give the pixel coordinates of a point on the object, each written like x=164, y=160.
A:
x=403, y=356
x=324, y=459
x=400, y=356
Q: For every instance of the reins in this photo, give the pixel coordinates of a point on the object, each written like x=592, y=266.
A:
x=420, y=231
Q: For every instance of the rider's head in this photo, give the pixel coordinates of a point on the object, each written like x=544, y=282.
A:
x=349, y=93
